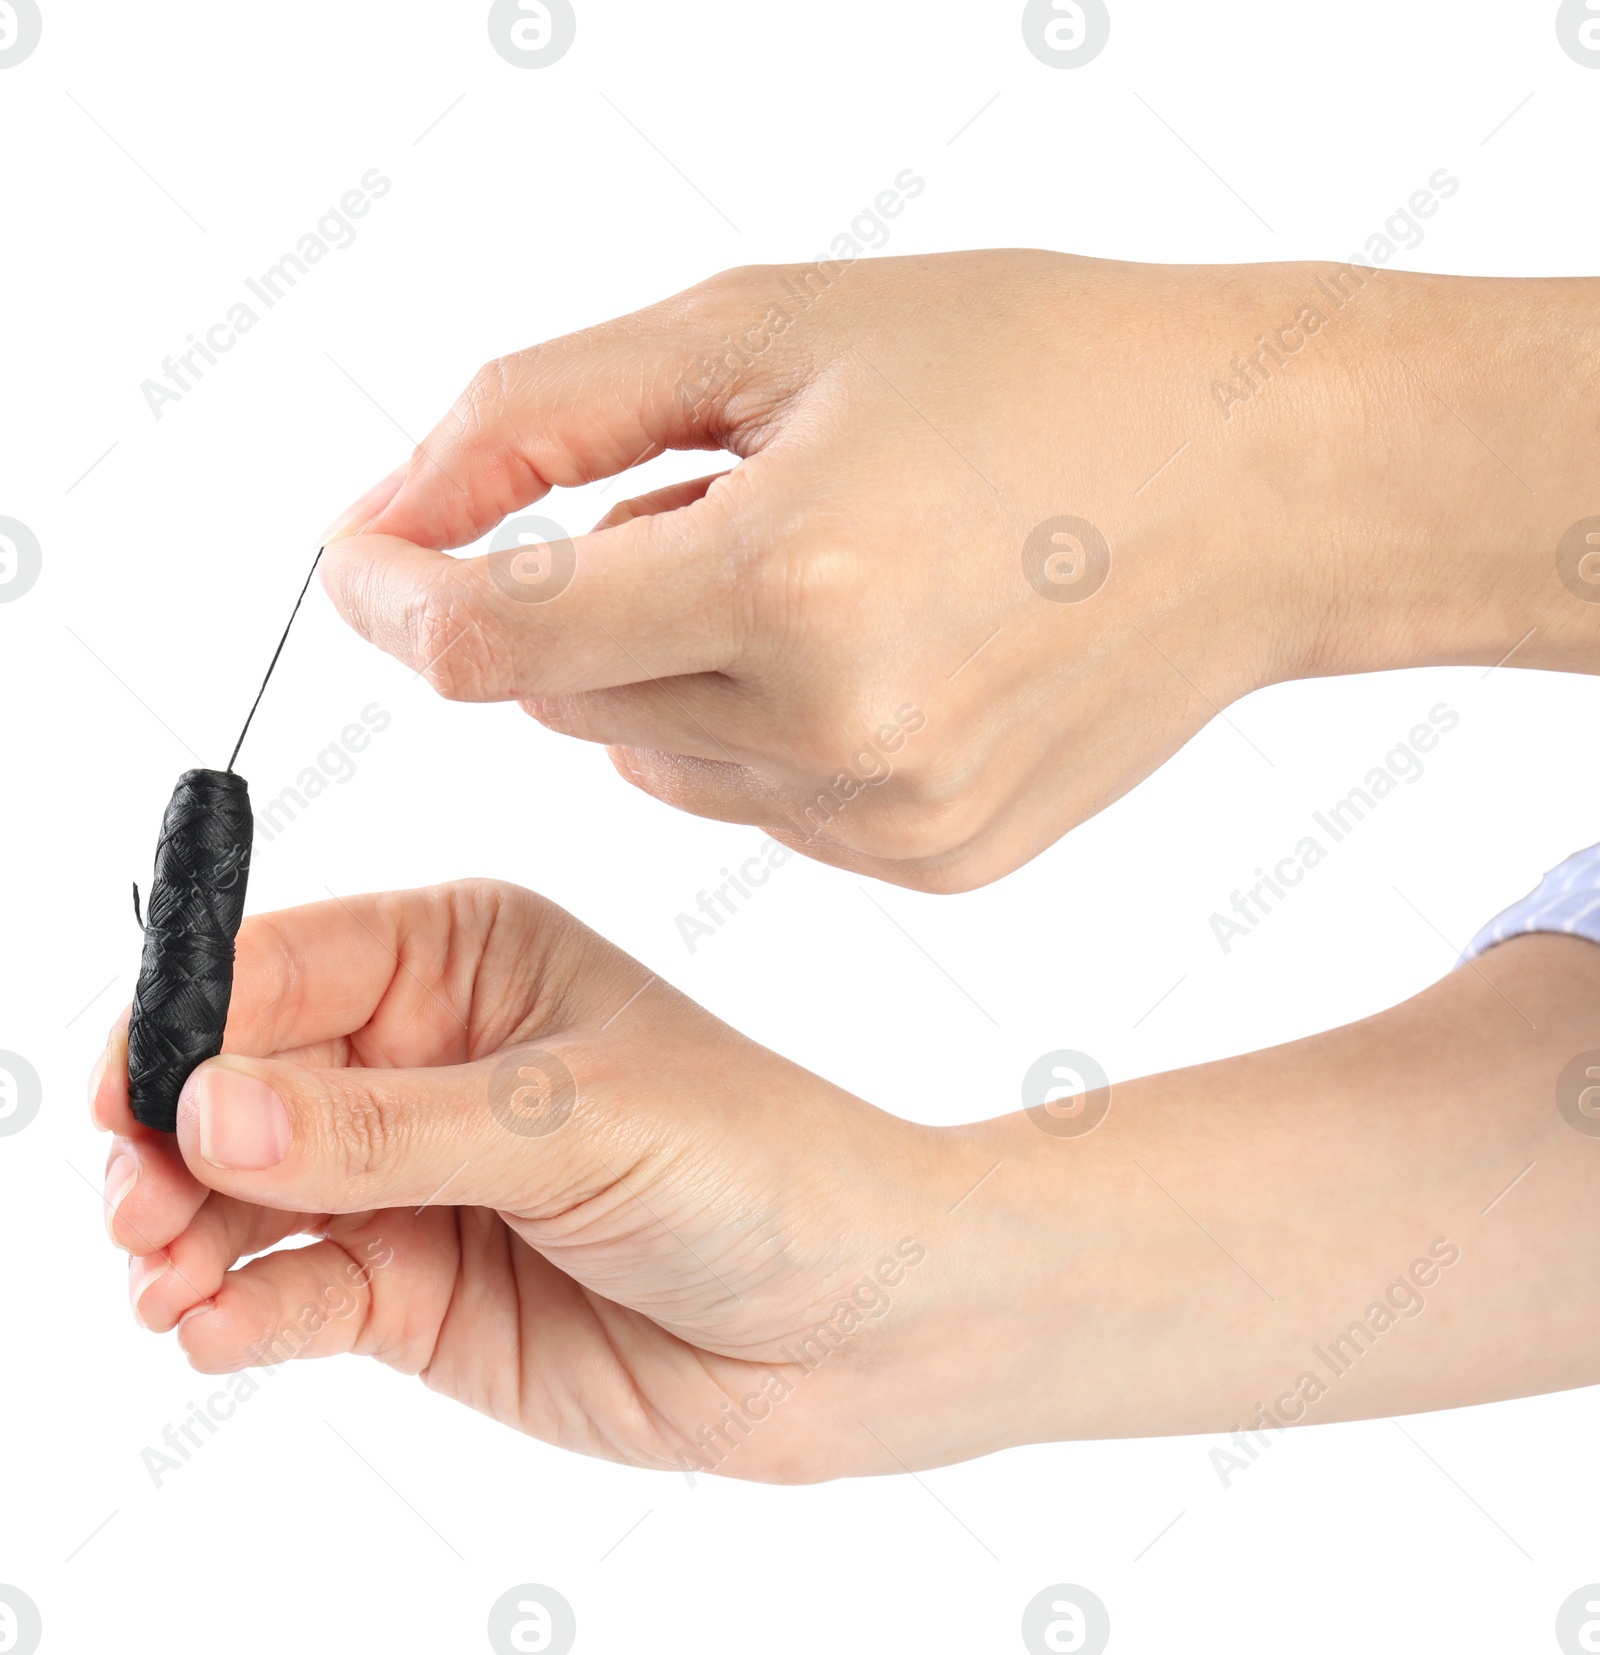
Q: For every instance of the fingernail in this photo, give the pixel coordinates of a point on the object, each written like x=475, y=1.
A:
x=143, y=1273
x=121, y=1176
x=367, y=507
x=202, y=1309
x=243, y=1123
x=96, y=1075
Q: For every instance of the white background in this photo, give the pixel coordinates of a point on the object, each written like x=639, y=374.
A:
x=530, y=208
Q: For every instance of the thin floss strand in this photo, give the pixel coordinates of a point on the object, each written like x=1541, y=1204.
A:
x=195, y=908
x=275, y=654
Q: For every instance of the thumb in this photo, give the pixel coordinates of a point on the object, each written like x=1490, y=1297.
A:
x=514, y=1132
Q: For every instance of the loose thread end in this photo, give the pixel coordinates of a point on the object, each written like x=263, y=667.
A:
x=136, y=914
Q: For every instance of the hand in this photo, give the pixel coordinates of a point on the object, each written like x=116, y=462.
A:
x=554, y=1188
x=1009, y=527
x=698, y=1255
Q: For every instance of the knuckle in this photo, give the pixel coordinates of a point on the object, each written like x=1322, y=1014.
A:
x=734, y=508
x=799, y=593
x=437, y=624
x=908, y=821
x=475, y=904
x=827, y=735
x=552, y=711
x=668, y=777
x=635, y=766
x=486, y=393
x=951, y=877
x=813, y=743
x=577, y=1196
x=567, y=715
x=732, y=283
x=363, y=1134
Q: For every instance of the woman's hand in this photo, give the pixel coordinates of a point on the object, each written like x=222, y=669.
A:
x=1009, y=527
x=557, y=1190
x=562, y=1193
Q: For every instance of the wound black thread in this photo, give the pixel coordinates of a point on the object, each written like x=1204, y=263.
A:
x=180, y=1007
x=195, y=907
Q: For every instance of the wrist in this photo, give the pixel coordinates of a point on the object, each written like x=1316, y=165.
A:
x=1465, y=461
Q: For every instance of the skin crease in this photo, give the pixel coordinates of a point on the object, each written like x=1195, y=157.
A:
x=1392, y=495
x=611, y=1285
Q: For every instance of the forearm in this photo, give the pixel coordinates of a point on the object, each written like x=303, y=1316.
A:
x=1437, y=439
x=1474, y=447
x=1371, y=468
x=1390, y=1217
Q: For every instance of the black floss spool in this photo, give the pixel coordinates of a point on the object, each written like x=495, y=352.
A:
x=202, y=867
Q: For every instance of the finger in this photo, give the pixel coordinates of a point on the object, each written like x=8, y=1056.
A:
x=163, y=1287
x=323, y=971
x=679, y=714
x=319, y=974
x=646, y=598
x=498, y=1133
x=717, y=790
x=393, y=979
x=380, y=1287
x=699, y=716
x=109, y=1110
x=859, y=828
x=580, y=408
x=671, y=498
x=150, y=1195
